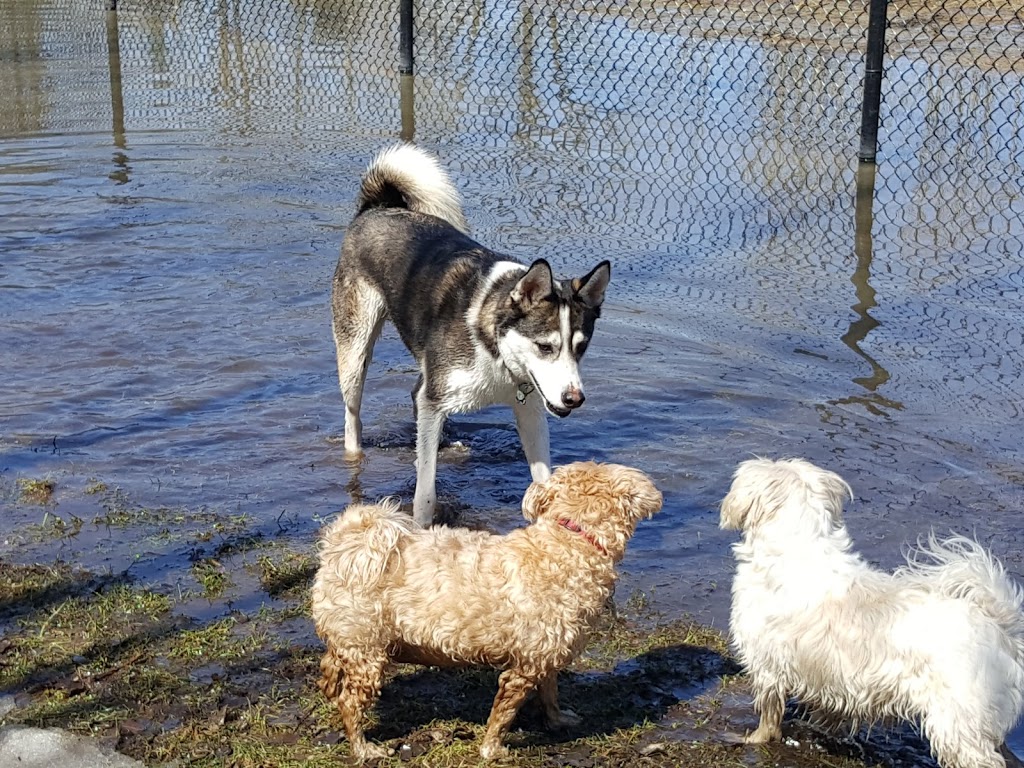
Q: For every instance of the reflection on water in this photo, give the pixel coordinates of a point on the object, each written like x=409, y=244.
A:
x=408, y=108
x=865, y=323
x=175, y=179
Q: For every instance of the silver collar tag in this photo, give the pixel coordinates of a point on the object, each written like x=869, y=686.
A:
x=522, y=391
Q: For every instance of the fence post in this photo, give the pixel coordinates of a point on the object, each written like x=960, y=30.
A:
x=114, y=65
x=407, y=106
x=405, y=36
x=872, y=81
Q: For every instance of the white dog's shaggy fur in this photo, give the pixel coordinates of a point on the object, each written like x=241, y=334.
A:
x=387, y=590
x=939, y=643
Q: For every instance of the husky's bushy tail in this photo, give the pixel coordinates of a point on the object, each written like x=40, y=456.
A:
x=404, y=176
x=961, y=568
x=357, y=547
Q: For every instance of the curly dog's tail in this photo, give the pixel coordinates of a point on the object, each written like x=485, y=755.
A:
x=357, y=547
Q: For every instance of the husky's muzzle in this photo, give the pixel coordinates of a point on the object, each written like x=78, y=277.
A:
x=572, y=398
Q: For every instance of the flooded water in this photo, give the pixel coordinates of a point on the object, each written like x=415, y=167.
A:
x=176, y=178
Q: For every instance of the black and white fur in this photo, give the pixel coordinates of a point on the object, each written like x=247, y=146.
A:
x=484, y=328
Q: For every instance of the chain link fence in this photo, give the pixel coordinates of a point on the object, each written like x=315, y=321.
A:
x=740, y=115
x=658, y=126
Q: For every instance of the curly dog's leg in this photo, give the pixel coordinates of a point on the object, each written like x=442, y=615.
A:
x=556, y=717
x=513, y=687
x=353, y=681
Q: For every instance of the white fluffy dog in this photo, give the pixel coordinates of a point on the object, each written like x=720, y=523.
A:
x=939, y=643
x=388, y=590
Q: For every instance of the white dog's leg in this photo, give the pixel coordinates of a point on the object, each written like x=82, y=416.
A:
x=956, y=740
x=771, y=703
x=556, y=717
x=429, y=423
x=513, y=688
x=532, y=425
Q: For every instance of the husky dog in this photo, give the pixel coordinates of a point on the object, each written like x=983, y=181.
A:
x=484, y=329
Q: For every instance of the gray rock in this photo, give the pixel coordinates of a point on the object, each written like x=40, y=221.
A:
x=46, y=747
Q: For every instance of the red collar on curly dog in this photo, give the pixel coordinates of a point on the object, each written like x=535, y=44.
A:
x=567, y=523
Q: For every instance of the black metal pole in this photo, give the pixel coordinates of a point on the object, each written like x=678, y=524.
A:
x=872, y=81
x=405, y=36
x=116, y=89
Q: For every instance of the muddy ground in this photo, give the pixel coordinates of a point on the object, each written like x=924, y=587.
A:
x=185, y=677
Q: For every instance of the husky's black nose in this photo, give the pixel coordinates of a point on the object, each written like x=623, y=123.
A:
x=573, y=398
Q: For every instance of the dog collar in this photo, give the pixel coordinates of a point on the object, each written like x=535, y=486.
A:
x=567, y=523
x=522, y=391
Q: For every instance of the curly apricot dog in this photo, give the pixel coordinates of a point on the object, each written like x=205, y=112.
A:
x=388, y=590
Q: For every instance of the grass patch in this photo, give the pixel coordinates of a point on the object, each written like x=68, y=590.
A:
x=54, y=526
x=219, y=640
x=96, y=487
x=120, y=512
x=212, y=577
x=32, y=491
x=617, y=638
x=286, y=572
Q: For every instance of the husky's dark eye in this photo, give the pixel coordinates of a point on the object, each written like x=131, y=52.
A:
x=545, y=349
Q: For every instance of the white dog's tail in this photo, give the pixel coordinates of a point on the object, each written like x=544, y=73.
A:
x=358, y=546
x=404, y=176
x=961, y=568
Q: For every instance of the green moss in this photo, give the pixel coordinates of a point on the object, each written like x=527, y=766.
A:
x=33, y=491
x=212, y=577
x=286, y=572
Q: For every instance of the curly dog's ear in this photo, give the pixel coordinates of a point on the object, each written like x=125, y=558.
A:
x=638, y=496
x=646, y=499
x=538, y=499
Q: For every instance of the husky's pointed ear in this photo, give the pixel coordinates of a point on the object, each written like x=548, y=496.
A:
x=536, y=284
x=591, y=288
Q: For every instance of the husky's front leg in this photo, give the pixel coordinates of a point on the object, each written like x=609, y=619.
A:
x=532, y=425
x=429, y=423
